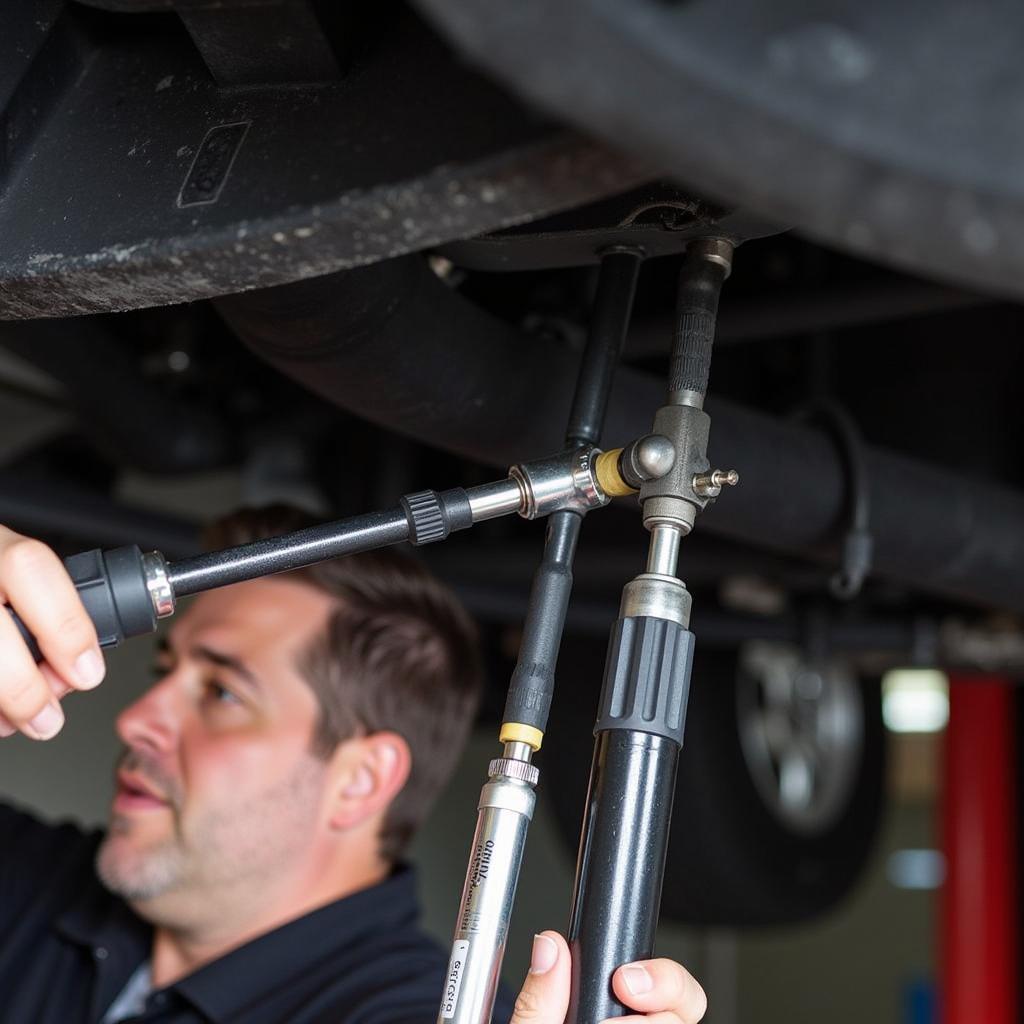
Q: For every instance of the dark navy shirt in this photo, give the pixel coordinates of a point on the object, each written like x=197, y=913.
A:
x=68, y=947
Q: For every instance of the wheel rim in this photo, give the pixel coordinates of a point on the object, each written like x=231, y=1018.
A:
x=801, y=728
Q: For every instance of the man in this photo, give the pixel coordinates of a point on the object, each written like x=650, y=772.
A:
x=296, y=734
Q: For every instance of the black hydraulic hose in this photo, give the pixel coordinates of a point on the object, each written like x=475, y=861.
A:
x=613, y=302
x=394, y=344
x=291, y=551
x=533, y=679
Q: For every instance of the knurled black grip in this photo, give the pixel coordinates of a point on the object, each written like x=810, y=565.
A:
x=696, y=312
x=433, y=516
x=647, y=678
x=426, y=520
x=691, y=356
x=112, y=586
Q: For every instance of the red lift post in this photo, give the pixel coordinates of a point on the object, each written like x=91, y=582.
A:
x=978, y=920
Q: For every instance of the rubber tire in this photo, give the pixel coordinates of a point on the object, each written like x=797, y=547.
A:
x=731, y=861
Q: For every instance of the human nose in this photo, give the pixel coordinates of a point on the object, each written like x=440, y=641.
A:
x=152, y=723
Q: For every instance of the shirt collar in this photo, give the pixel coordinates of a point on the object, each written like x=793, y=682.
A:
x=239, y=978
x=100, y=919
x=116, y=940
x=243, y=976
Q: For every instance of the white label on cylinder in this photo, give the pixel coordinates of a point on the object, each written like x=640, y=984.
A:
x=453, y=981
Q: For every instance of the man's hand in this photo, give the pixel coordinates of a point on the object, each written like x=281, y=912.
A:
x=661, y=990
x=34, y=583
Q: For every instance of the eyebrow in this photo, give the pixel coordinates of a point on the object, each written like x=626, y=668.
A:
x=219, y=658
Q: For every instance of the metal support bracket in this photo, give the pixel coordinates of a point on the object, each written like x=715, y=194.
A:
x=858, y=542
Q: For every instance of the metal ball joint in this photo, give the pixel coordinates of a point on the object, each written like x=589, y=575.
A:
x=625, y=470
x=652, y=457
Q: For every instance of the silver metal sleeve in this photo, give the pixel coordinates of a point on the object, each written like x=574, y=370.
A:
x=663, y=553
x=481, y=931
x=158, y=583
x=488, y=501
x=565, y=482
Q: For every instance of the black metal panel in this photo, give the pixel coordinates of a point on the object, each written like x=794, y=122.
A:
x=254, y=44
x=98, y=203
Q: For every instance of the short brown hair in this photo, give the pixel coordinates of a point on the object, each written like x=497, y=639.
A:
x=400, y=653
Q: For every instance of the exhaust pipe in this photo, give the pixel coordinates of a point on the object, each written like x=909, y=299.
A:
x=394, y=344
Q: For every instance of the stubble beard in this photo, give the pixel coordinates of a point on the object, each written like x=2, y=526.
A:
x=240, y=846
x=139, y=874
x=146, y=876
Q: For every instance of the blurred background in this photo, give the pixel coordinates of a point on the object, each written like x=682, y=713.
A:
x=872, y=958
x=870, y=949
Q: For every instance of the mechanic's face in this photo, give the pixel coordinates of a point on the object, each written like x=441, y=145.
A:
x=217, y=787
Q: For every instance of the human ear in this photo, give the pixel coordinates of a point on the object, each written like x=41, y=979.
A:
x=371, y=771
x=360, y=784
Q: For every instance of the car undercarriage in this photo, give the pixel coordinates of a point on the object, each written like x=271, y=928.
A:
x=347, y=252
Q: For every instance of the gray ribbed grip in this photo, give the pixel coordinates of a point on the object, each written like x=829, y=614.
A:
x=432, y=516
x=647, y=678
x=112, y=586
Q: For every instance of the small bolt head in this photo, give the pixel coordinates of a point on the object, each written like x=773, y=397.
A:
x=714, y=250
x=709, y=485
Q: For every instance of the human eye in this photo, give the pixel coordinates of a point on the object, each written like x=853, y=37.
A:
x=215, y=693
x=160, y=666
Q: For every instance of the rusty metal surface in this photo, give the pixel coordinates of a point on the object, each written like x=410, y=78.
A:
x=141, y=182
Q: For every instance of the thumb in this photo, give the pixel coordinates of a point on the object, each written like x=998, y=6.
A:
x=544, y=997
